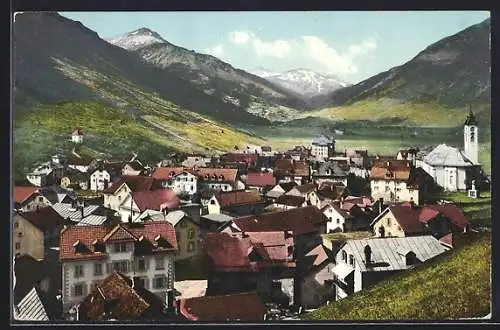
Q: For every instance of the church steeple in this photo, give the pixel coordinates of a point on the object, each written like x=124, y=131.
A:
x=471, y=134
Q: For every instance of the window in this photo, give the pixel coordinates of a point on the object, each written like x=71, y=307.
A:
x=97, y=269
x=399, y=228
x=388, y=221
x=159, y=282
x=212, y=202
x=388, y=233
x=141, y=264
x=121, y=247
x=398, y=189
x=120, y=266
x=192, y=187
x=451, y=179
x=78, y=290
x=344, y=256
x=191, y=246
x=160, y=264
x=119, y=198
x=472, y=134
x=18, y=245
x=78, y=271
x=191, y=233
x=351, y=260
x=16, y=224
x=329, y=219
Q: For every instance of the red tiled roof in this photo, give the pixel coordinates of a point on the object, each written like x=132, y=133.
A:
x=290, y=167
x=396, y=170
x=234, y=307
x=447, y=240
x=86, y=235
x=231, y=198
x=290, y=200
x=260, y=179
x=165, y=173
x=427, y=214
x=239, y=157
x=299, y=220
x=408, y=218
x=135, y=183
x=44, y=218
x=155, y=199
x=453, y=213
x=23, y=193
x=362, y=202
x=211, y=174
x=230, y=251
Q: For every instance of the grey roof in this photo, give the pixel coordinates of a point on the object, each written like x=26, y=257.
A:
x=92, y=220
x=335, y=170
x=175, y=216
x=389, y=250
x=31, y=308
x=218, y=217
x=322, y=140
x=444, y=155
x=65, y=210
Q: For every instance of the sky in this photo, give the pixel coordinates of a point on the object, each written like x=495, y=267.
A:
x=352, y=45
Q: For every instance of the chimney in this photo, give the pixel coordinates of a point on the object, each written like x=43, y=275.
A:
x=81, y=212
x=368, y=255
x=388, y=163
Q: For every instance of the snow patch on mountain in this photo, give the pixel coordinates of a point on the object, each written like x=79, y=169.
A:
x=137, y=39
x=303, y=81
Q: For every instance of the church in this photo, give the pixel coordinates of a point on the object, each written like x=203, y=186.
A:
x=454, y=169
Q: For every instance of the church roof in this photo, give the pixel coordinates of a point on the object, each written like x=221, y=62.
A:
x=444, y=155
x=471, y=119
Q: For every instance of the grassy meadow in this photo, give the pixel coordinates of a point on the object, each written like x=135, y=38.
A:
x=452, y=286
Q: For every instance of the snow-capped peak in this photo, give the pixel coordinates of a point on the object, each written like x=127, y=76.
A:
x=137, y=39
x=304, y=81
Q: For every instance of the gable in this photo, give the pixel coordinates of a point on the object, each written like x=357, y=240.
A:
x=119, y=234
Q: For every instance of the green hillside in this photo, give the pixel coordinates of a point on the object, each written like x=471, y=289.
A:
x=453, y=286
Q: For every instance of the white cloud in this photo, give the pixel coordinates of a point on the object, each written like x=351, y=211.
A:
x=240, y=37
x=215, y=50
x=310, y=50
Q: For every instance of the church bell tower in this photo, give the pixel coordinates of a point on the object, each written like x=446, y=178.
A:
x=471, y=134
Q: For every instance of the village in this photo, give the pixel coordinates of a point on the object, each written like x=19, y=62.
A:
x=247, y=235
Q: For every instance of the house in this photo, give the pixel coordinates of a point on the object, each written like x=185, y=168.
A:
x=82, y=163
x=212, y=222
x=308, y=191
x=408, y=154
x=122, y=298
x=24, y=196
x=260, y=181
x=337, y=217
x=236, y=202
x=132, y=168
x=394, y=181
x=316, y=277
x=118, y=191
x=250, y=159
x=140, y=201
x=74, y=179
x=196, y=161
x=328, y=192
x=46, y=174
x=305, y=223
x=187, y=231
x=183, y=183
x=251, y=261
x=100, y=179
x=35, y=306
x=408, y=219
x=82, y=213
x=288, y=170
x=330, y=172
x=77, y=136
x=143, y=250
x=224, y=179
x=54, y=194
x=357, y=157
x=298, y=153
x=46, y=220
x=364, y=262
x=27, y=238
x=323, y=147
x=246, y=306
x=279, y=189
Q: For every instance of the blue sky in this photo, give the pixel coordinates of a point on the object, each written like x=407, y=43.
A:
x=353, y=45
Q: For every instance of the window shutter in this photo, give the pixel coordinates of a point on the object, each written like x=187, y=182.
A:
x=146, y=283
x=73, y=291
x=147, y=264
x=84, y=289
x=108, y=267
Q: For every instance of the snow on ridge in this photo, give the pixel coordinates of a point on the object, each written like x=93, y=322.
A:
x=135, y=40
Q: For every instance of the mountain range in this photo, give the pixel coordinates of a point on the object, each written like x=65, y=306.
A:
x=304, y=82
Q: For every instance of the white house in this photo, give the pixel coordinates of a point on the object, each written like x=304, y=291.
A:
x=323, y=147
x=139, y=201
x=45, y=174
x=144, y=252
x=77, y=136
x=336, y=217
x=115, y=195
x=452, y=168
x=182, y=183
x=361, y=263
x=394, y=181
x=99, y=180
